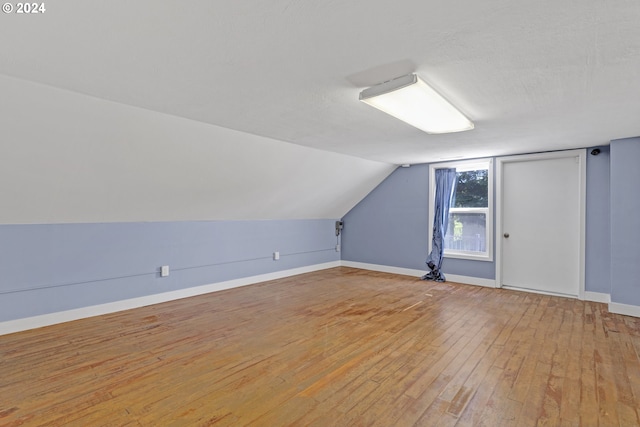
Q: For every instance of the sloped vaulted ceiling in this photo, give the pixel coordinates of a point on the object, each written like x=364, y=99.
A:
x=132, y=85
x=72, y=158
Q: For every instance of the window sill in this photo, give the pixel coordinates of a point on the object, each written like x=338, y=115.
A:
x=469, y=256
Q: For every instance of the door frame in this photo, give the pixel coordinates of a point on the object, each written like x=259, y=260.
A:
x=581, y=155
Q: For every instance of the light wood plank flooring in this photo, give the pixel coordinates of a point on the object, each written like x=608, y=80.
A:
x=340, y=347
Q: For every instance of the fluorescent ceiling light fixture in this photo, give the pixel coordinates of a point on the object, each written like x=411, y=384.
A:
x=411, y=100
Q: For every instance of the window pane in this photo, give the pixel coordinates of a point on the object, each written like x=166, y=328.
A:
x=472, y=189
x=466, y=232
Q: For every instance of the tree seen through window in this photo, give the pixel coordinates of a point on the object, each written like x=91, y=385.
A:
x=467, y=226
x=472, y=189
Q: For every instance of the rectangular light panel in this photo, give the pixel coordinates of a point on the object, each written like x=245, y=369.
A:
x=411, y=100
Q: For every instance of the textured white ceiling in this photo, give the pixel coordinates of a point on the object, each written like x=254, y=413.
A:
x=533, y=76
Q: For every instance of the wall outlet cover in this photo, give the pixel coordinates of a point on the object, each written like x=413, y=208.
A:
x=164, y=271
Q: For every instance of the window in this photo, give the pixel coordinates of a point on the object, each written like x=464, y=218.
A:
x=470, y=231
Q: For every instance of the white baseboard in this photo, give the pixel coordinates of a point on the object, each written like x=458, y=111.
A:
x=626, y=309
x=18, y=325
x=597, y=297
x=466, y=280
x=384, y=268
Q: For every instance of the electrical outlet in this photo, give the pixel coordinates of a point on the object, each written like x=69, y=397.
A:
x=276, y=256
x=164, y=271
x=337, y=248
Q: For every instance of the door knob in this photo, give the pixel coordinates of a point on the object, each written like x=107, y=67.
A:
x=506, y=235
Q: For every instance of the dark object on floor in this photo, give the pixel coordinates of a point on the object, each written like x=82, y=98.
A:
x=435, y=274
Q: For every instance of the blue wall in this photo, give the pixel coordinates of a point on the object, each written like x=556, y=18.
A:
x=625, y=221
x=56, y=267
x=597, y=246
x=389, y=226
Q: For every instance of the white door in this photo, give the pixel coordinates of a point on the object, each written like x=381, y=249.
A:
x=541, y=216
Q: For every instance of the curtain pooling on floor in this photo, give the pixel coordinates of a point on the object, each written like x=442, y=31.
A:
x=445, y=185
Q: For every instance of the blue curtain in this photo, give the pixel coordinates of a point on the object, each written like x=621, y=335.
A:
x=445, y=184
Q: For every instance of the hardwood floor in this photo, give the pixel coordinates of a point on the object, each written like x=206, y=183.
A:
x=340, y=347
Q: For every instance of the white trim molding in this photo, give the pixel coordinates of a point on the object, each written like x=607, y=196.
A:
x=465, y=280
x=384, y=268
x=597, y=297
x=34, y=322
x=24, y=324
x=626, y=309
x=462, y=166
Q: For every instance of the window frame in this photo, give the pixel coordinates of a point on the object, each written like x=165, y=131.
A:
x=461, y=166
